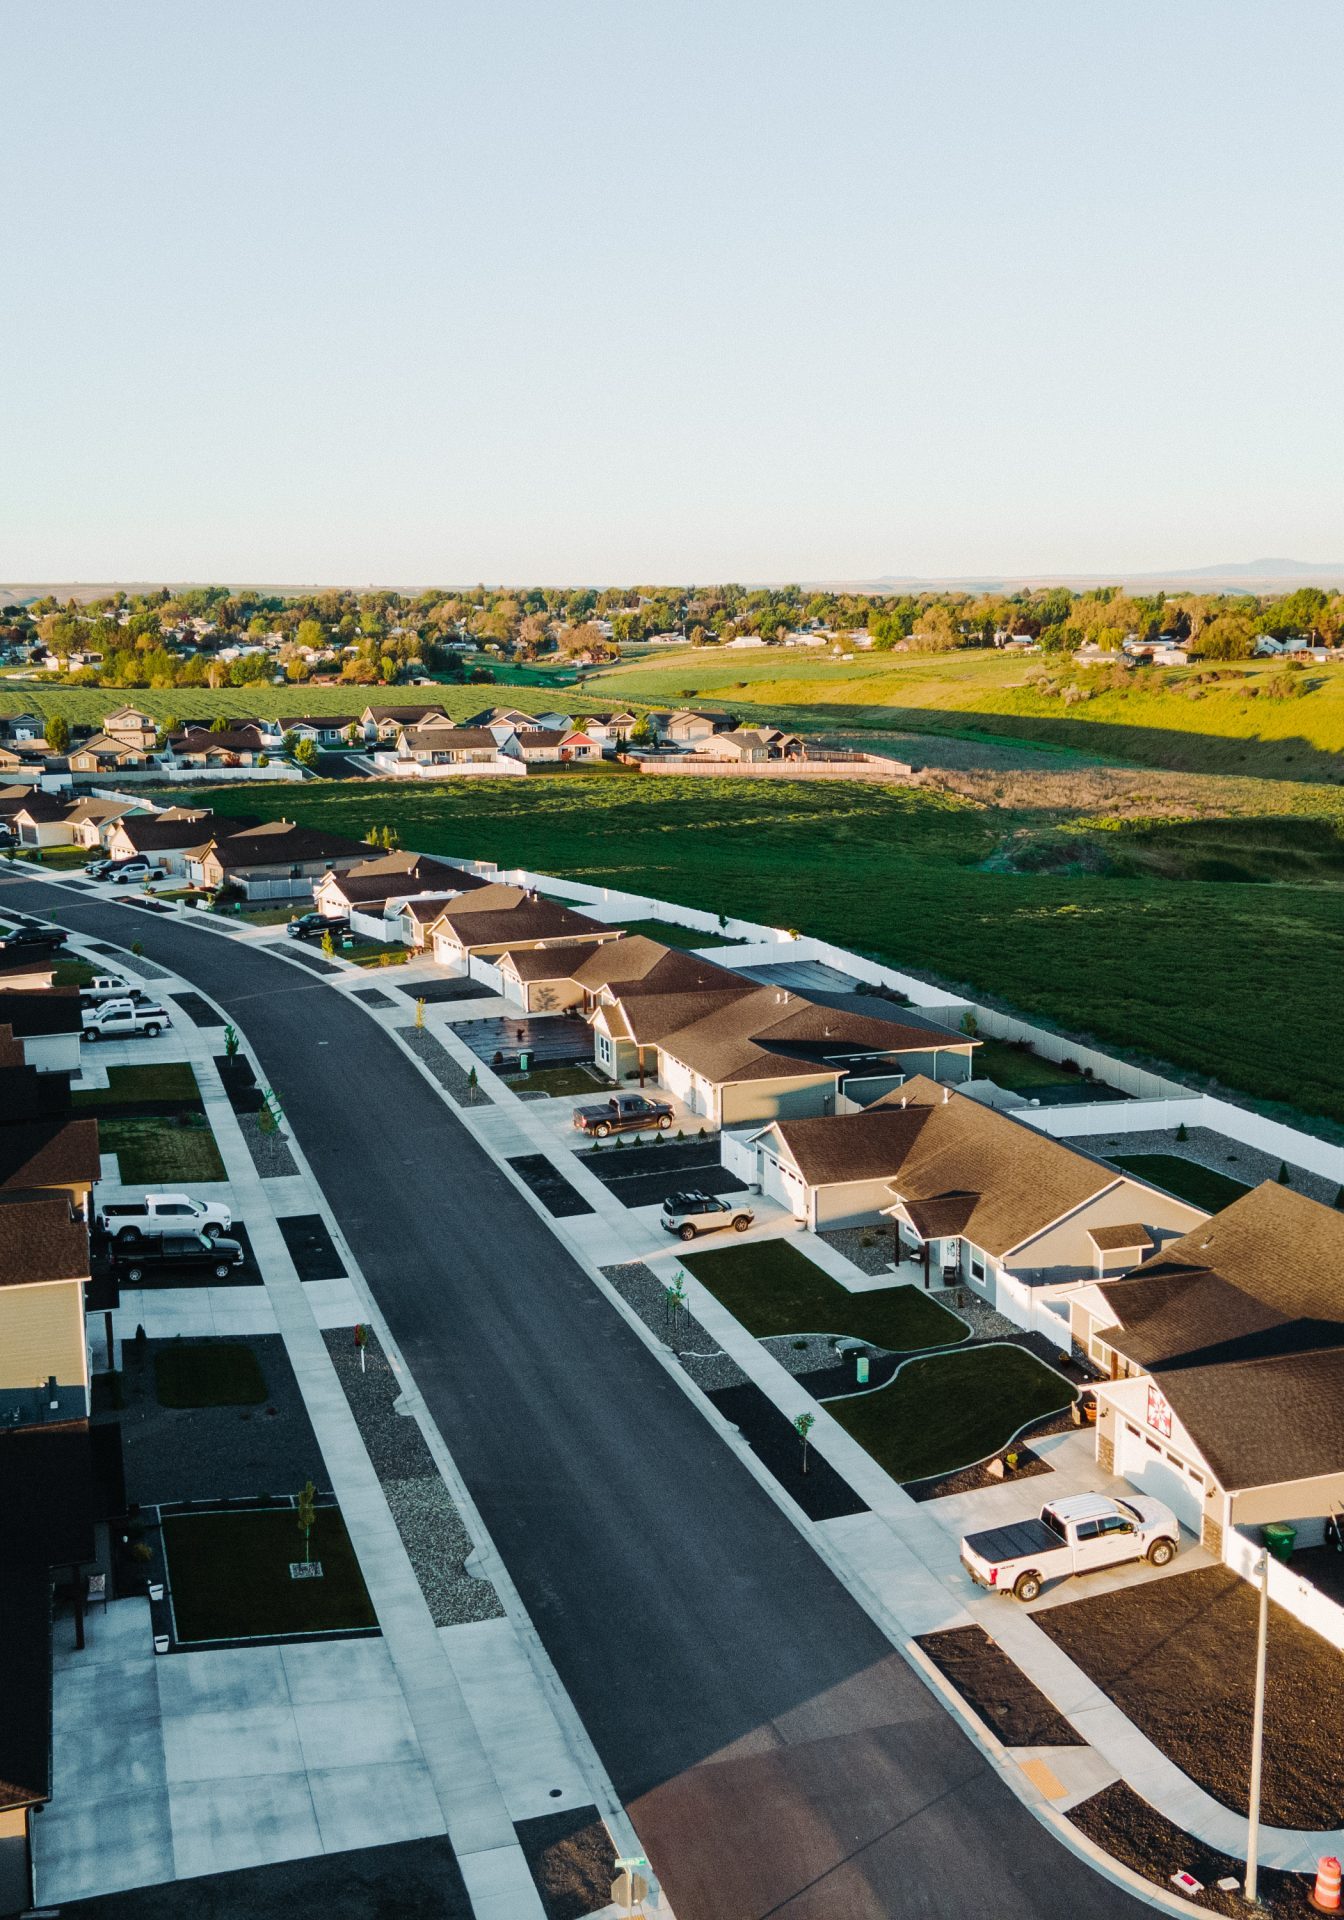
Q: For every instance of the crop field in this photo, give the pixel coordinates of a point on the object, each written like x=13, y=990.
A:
x=1204, y=974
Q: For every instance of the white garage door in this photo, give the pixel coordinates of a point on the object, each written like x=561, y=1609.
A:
x=1150, y=1468
x=787, y=1188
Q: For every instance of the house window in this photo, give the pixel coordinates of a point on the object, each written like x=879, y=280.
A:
x=977, y=1265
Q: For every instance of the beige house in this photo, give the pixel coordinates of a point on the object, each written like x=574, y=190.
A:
x=170, y=839
x=499, y=919
x=385, y=723
x=44, y=1268
x=1224, y=1357
x=129, y=727
x=43, y=821
x=382, y=885
x=976, y=1198
x=92, y=820
x=276, y=860
x=454, y=748
x=688, y=725
x=241, y=746
x=108, y=753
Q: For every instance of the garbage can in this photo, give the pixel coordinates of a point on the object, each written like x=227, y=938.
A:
x=1280, y=1538
x=524, y=1061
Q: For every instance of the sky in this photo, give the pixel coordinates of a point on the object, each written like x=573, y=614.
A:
x=410, y=293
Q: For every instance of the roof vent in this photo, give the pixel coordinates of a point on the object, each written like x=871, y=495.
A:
x=904, y=1103
x=947, y=1095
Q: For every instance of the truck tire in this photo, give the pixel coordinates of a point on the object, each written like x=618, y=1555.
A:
x=153, y=1030
x=1162, y=1553
x=135, y=1275
x=1028, y=1586
x=89, y=1033
x=741, y=1223
x=664, y=1122
x=221, y=1270
x=128, y=1236
x=601, y=1130
x=687, y=1232
x=213, y=1231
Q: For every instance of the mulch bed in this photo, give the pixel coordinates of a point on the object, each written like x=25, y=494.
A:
x=550, y=1185
x=198, y=1010
x=310, y=1246
x=571, y=1860
x=1134, y=1833
x=309, y=960
x=437, y=992
x=240, y=1083
x=972, y=1479
x=1178, y=1657
x=820, y=1492
x=995, y=1687
x=373, y=997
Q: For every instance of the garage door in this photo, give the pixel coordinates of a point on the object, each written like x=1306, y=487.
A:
x=1151, y=1469
x=787, y=1188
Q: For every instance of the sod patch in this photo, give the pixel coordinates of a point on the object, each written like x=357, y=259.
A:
x=1200, y=1186
x=214, y=1374
x=773, y=1289
x=229, y=1576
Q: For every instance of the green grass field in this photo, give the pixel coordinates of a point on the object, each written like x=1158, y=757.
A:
x=952, y=1409
x=1204, y=975
x=773, y=1289
x=157, y=1149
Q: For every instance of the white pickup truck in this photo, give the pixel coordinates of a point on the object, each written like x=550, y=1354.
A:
x=130, y=1220
x=1072, y=1535
x=124, y=1019
x=106, y=986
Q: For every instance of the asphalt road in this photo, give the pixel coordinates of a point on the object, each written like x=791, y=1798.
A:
x=777, y=1756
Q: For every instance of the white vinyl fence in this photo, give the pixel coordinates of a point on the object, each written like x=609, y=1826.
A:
x=1288, y=1589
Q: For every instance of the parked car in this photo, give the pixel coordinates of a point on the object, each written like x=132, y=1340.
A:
x=132, y=1257
x=125, y=1019
x=689, y=1214
x=623, y=1113
x=312, y=926
x=1072, y=1535
x=98, y=866
x=127, y=1221
x=33, y=936
x=137, y=868
x=107, y=986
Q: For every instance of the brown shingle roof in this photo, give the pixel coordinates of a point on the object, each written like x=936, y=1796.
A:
x=52, y=1010
x=635, y=964
x=725, y=1043
x=1123, y=1239
x=560, y=962
x=450, y=739
x=389, y=875
x=529, y=921
x=49, y=1153
x=41, y=1240
x=280, y=843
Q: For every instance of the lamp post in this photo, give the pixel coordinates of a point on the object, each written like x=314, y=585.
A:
x=1257, y=1736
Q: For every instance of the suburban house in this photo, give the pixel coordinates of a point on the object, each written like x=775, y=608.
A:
x=498, y=919
x=1224, y=1356
x=743, y=743
x=382, y=886
x=445, y=750
x=169, y=839
x=509, y=717
x=323, y=729
x=48, y=1024
x=582, y=976
x=129, y=727
x=29, y=759
x=208, y=747
x=687, y=725
x=276, y=860
x=42, y=821
x=108, y=753
x=57, y=1155
x=44, y=1269
x=385, y=723
x=90, y=820
x=22, y=726
x=538, y=744
x=610, y=730
x=976, y=1198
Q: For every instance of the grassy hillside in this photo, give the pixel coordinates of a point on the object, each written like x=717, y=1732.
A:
x=1163, y=718
x=1205, y=973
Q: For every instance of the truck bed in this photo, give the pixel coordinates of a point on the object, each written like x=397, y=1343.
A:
x=1024, y=1539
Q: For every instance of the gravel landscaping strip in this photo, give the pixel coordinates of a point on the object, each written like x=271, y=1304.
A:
x=270, y=1152
x=450, y=1076
x=697, y=1351
x=431, y=1528
x=866, y=1248
x=310, y=959
x=1217, y=1151
x=133, y=962
x=985, y=1323
x=199, y=1011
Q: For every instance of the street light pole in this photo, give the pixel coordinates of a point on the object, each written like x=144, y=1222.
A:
x=1257, y=1736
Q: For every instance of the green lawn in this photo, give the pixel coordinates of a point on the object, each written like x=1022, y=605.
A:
x=212, y=1375
x=1014, y=1067
x=373, y=953
x=156, y=1149
x=171, y=1082
x=772, y=1288
x=669, y=934
x=71, y=973
x=554, y=1081
x=1201, y=1186
x=230, y=1580
x=902, y=874
x=950, y=1410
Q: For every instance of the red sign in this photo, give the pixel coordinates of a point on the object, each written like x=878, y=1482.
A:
x=1159, y=1413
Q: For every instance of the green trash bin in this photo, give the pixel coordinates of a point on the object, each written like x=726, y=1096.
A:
x=1280, y=1538
x=524, y=1062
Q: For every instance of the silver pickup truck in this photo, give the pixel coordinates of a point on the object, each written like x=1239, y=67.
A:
x=1072, y=1535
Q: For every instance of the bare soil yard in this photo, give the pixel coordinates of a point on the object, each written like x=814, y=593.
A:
x=1178, y=1656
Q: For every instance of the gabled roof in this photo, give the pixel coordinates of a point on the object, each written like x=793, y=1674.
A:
x=449, y=739
x=635, y=964
x=389, y=876
x=559, y=962
x=160, y=833
x=41, y=1240
x=100, y=810
x=29, y=1015
x=724, y=1044
x=525, y=923
x=323, y=722
x=280, y=843
x=406, y=716
x=49, y=1153
x=244, y=739
x=41, y=808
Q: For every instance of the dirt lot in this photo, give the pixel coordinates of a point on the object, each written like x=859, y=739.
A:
x=1178, y=1656
x=1133, y=1832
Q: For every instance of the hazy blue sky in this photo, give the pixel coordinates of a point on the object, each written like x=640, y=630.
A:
x=610, y=292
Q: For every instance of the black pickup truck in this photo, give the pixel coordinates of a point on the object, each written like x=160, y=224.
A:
x=175, y=1250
